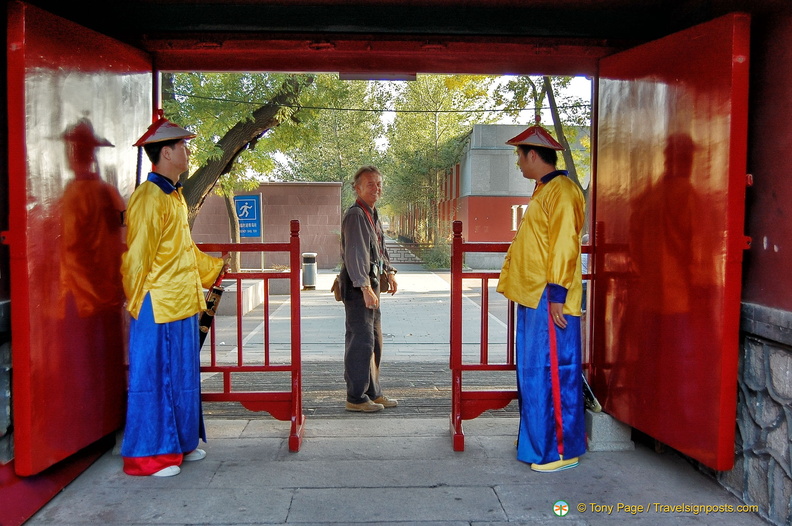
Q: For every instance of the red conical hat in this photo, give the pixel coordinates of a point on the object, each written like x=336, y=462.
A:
x=163, y=130
x=536, y=136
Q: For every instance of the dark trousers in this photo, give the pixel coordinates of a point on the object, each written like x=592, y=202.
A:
x=363, y=348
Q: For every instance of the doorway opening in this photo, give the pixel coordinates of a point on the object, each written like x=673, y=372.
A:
x=435, y=139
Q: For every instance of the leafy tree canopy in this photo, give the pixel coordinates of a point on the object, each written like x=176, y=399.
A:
x=434, y=116
x=339, y=130
x=254, y=127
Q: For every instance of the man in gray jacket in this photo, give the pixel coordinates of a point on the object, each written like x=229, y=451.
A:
x=365, y=263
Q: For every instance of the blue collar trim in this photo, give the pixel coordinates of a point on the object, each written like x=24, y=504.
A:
x=163, y=182
x=552, y=175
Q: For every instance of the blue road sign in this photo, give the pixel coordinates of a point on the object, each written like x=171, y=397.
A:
x=248, y=210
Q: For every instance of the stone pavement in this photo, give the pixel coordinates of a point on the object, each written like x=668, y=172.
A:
x=396, y=467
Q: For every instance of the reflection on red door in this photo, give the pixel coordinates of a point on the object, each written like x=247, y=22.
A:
x=671, y=161
x=76, y=102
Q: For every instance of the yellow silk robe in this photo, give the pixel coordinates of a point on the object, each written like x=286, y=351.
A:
x=546, y=248
x=161, y=257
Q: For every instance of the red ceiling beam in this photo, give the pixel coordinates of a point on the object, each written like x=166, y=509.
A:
x=312, y=53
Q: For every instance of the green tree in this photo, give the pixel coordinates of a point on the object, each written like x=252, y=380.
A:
x=230, y=113
x=570, y=114
x=340, y=126
x=435, y=114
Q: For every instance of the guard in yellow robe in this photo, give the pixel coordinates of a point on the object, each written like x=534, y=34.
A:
x=164, y=275
x=542, y=274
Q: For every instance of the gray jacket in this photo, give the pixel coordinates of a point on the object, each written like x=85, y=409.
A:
x=363, y=251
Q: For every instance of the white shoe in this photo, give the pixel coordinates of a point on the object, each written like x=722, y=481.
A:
x=170, y=471
x=195, y=454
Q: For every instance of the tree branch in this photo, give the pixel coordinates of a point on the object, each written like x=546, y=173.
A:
x=559, y=130
x=244, y=135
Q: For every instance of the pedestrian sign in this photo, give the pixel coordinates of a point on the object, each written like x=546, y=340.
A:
x=248, y=210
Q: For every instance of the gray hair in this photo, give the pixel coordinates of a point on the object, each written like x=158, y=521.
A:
x=370, y=168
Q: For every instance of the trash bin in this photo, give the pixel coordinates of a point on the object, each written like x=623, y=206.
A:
x=309, y=270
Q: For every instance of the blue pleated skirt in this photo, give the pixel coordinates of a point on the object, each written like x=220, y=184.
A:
x=552, y=420
x=164, y=412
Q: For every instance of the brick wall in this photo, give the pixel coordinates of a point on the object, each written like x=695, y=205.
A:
x=317, y=206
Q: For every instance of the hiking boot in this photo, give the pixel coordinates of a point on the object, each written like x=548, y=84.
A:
x=364, y=407
x=385, y=401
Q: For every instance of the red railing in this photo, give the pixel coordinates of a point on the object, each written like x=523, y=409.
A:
x=282, y=405
x=469, y=404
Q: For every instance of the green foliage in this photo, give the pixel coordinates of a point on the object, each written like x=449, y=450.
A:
x=435, y=114
x=437, y=257
x=413, y=131
x=210, y=104
x=520, y=93
x=340, y=125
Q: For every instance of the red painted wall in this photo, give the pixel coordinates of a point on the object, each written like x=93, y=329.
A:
x=488, y=219
x=767, y=277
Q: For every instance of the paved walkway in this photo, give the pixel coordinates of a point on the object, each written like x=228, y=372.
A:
x=416, y=321
x=396, y=467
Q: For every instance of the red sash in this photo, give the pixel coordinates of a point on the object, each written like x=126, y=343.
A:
x=556, y=383
x=378, y=233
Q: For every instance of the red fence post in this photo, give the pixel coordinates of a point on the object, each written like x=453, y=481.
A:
x=282, y=405
x=456, y=338
x=466, y=405
x=297, y=417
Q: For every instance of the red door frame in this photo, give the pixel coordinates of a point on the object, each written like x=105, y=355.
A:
x=671, y=178
x=404, y=55
x=67, y=325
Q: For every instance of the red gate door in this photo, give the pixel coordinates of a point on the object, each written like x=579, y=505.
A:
x=671, y=160
x=65, y=229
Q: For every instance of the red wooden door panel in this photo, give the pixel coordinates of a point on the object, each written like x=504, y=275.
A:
x=671, y=163
x=65, y=230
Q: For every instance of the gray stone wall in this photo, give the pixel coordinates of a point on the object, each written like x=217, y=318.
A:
x=762, y=473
